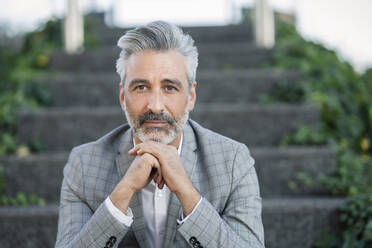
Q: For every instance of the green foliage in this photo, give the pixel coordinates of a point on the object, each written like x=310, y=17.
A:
x=40, y=43
x=91, y=38
x=17, y=91
x=343, y=95
x=305, y=136
x=21, y=200
x=356, y=219
x=352, y=176
x=344, y=99
x=345, y=103
x=287, y=92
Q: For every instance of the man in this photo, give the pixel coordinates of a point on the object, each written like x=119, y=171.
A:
x=163, y=180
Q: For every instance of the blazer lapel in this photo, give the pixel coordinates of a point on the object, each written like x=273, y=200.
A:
x=188, y=158
x=123, y=161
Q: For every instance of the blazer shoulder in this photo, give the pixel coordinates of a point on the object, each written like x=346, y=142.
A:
x=212, y=140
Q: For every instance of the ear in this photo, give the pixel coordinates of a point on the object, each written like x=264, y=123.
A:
x=192, y=96
x=122, y=96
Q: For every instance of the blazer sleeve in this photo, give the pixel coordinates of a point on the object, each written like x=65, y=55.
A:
x=240, y=224
x=78, y=225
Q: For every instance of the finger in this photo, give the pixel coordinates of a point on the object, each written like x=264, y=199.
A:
x=161, y=184
x=148, y=148
x=159, y=172
x=158, y=178
x=134, y=150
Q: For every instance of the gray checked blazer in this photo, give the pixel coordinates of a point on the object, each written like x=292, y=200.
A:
x=229, y=214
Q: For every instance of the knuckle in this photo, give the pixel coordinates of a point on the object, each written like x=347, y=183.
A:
x=146, y=157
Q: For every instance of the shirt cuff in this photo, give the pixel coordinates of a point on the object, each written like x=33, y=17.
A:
x=126, y=219
x=183, y=219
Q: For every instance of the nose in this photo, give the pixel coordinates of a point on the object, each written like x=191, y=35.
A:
x=156, y=104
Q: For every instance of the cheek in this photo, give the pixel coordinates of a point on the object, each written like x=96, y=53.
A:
x=136, y=105
x=178, y=105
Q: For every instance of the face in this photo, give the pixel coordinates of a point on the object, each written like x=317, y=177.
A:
x=156, y=97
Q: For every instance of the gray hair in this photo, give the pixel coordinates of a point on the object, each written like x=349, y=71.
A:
x=160, y=36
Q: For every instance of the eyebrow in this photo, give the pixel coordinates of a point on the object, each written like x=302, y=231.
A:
x=172, y=81
x=137, y=81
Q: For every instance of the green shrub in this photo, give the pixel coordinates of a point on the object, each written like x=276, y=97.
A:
x=344, y=97
x=19, y=90
x=356, y=220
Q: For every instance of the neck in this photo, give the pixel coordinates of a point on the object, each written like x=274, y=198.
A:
x=175, y=142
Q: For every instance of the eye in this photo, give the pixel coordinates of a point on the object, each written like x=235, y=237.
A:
x=140, y=87
x=170, y=88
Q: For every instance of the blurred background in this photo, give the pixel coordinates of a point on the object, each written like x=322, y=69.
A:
x=343, y=25
x=291, y=79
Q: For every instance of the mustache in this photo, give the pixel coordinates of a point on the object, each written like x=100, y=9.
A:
x=150, y=116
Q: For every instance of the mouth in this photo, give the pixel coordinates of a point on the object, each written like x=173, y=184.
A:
x=155, y=123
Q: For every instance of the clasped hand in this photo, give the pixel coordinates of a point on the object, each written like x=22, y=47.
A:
x=163, y=164
x=159, y=162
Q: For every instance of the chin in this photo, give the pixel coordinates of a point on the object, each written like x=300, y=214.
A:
x=157, y=136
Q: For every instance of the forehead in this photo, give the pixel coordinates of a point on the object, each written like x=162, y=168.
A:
x=150, y=64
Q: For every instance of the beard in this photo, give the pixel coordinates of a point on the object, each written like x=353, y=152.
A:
x=164, y=134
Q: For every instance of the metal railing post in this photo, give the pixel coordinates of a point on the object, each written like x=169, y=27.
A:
x=264, y=25
x=73, y=28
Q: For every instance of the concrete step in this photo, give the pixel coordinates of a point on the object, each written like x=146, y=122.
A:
x=60, y=129
x=102, y=89
x=287, y=223
x=200, y=34
x=212, y=56
x=299, y=222
x=28, y=227
x=278, y=169
x=42, y=173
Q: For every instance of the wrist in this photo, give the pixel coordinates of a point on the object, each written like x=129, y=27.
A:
x=121, y=197
x=188, y=199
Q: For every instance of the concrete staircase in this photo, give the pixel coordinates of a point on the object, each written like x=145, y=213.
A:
x=230, y=85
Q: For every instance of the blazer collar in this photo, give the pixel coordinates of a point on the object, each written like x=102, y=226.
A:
x=188, y=158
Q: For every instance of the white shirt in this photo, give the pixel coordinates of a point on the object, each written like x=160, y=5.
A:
x=156, y=201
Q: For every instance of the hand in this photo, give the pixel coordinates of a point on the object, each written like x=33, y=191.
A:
x=171, y=165
x=172, y=171
x=142, y=170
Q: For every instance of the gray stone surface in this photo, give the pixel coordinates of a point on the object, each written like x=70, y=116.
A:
x=278, y=169
x=287, y=223
x=201, y=34
x=254, y=125
x=102, y=89
x=28, y=227
x=212, y=56
x=290, y=222
x=42, y=173
x=298, y=222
